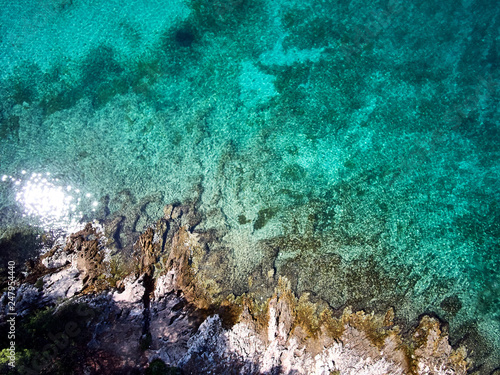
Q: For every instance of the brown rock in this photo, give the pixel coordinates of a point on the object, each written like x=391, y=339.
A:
x=176, y=212
x=89, y=258
x=433, y=351
x=167, y=211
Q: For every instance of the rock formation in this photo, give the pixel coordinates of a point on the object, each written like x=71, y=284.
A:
x=157, y=302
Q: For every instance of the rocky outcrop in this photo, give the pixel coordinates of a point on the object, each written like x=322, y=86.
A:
x=432, y=352
x=355, y=343
x=159, y=304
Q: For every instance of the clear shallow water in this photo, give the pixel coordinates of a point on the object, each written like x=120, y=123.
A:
x=357, y=140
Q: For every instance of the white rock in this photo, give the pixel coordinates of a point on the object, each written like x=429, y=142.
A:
x=58, y=259
x=133, y=293
x=63, y=284
x=164, y=285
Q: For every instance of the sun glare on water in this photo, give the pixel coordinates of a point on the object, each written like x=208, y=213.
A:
x=48, y=200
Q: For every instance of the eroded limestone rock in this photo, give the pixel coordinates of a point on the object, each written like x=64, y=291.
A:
x=168, y=301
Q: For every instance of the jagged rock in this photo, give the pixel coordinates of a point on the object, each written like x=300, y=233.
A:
x=90, y=256
x=433, y=353
x=149, y=250
x=172, y=323
x=133, y=293
x=56, y=259
x=167, y=211
x=176, y=212
x=164, y=285
x=179, y=274
x=285, y=351
x=168, y=307
x=62, y=285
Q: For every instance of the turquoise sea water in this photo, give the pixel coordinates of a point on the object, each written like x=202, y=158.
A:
x=359, y=140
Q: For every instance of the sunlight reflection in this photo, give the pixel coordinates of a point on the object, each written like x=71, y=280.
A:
x=55, y=204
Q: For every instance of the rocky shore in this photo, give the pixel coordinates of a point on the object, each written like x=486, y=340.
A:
x=108, y=302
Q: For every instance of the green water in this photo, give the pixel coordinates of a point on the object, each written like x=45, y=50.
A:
x=353, y=146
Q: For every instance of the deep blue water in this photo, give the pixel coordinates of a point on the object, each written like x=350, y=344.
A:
x=361, y=139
